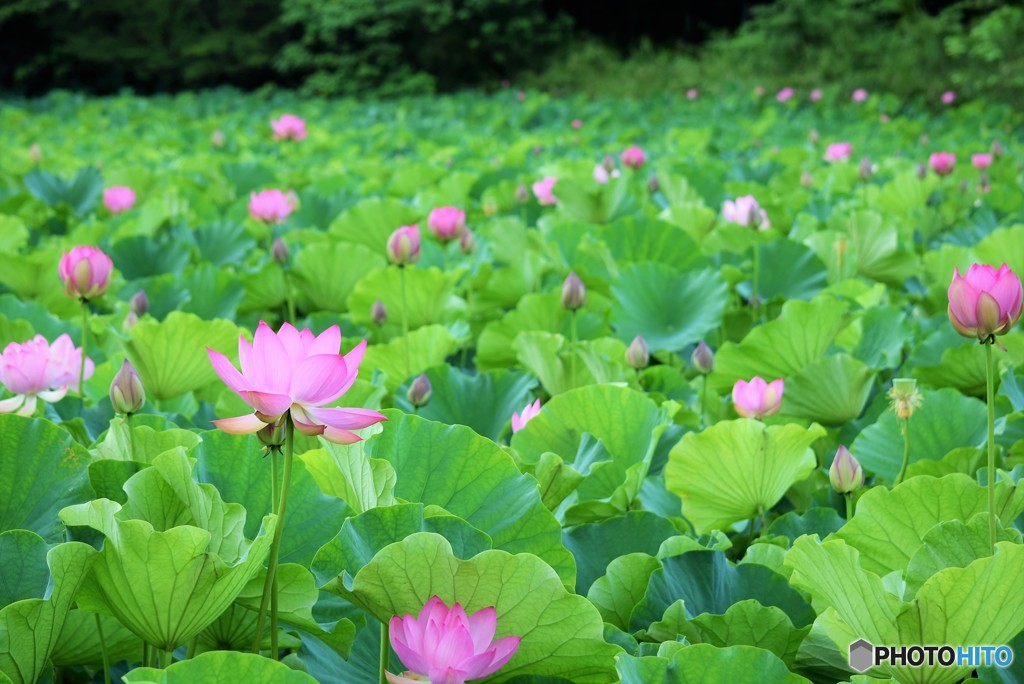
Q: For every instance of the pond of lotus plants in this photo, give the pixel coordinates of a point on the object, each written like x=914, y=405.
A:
x=511, y=388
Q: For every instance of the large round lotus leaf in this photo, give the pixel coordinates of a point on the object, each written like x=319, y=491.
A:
x=42, y=470
x=371, y=223
x=562, y=632
x=738, y=469
x=470, y=476
x=324, y=275
x=217, y=667
x=669, y=308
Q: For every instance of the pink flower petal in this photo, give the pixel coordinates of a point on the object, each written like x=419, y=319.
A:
x=345, y=418
x=963, y=300
x=482, y=625
x=319, y=379
x=272, y=368
x=12, y=404
x=327, y=342
x=267, y=403
x=242, y=425
x=227, y=372
x=341, y=436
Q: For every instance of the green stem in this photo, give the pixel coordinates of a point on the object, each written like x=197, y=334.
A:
x=103, y=650
x=849, y=505
x=905, y=429
x=754, y=297
x=703, y=400
x=991, y=399
x=405, y=322
x=289, y=296
x=85, y=343
x=385, y=652
x=274, y=502
x=572, y=348
x=270, y=583
x=145, y=654
x=167, y=657
x=191, y=651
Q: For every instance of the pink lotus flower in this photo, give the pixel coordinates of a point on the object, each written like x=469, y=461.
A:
x=85, y=272
x=785, y=95
x=530, y=412
x=271, y=206
x=37, y=369
x=447, y=223
x=294, y=372
x=838, y=152
x=633, y=157
x=446, y=646
x=745, y=211
x=289, y=127
x=602, y=174
x=816, y=95
x=404, y=245
x=577, y=124
x=118, y=198
x=859, y=95
x=692, y=94
x=757, y=398
x=542, y=190
x=948, y=97
x=981, y=161
x=984, y=301
x=942, y=163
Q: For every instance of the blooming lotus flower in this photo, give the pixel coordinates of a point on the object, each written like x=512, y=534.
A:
x=838, y=152
x=38, y=369
x=447, y=223
x=271, y=206
x=948, y=97
x=118, y=198
x=692, y=94
x=542, y=190
x=757, y=398
x=745, y=211
x=294, y=372
x=816, y=95
x=633, y=157
x=530, y=412
x=942, y=163
x=984, y=301
x=785, y=95
x=404, y=245
x=85, y=272
x=859, y=95
x=446, y=646
x=981, y=161
x=288, y=127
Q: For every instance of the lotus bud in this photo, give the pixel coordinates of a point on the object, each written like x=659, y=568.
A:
x=637, y=354
x=846, y=474
x=702, y=358
x=279, y=251
x=806, y=179
x=379, y=313
x=140, y=303
x=574, y=292
x=404, y=245
x=522, y=194
x=608, y=163
x=905, y=397
x=217, y=138
x=538, y=150
x=85, y=272
x=273, y=434
x=814, y=136
x=864, y=169
x=467, y=241
x=997, y=149
x=419, y=391
x=35, y=153
x=922, y=171
x=653, y=185
x=130, y=321
x=126, y=392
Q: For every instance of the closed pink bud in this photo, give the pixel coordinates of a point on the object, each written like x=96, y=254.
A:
x=864, y=169
x=633, y=157
x=530, y=411
x=447, y=223
x=217, y=138
x=859, y=95
x=379, y=312
x=574, y=292
x=638, y=356
x=271, y=206
x=981, y=161
x=35, y=153
x=757, y=398
x=703, y=359
x=85, y=272
x=419, y=391
x=467, y=241
x=279, y=251
x=984, y=301
x=838, y=152
x=785, y=95
x=522, y=194
x=543, y=191
x=846, y=473
x=404, y=245
x=942, y=163
x=118, y=198
x=288, y=127
x=816, y=95
x=948, y=97
x=140, y=303
x=126, y=392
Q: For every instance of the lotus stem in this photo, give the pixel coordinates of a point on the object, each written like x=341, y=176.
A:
x=270, y=583
x=703, y=400
x=274, y=502
x=190, y=652
x=755, y=298
x=905, y=429
x=848, y=497
x=572, y=348
x=289, y=296
x=385, y=653
x=103, y=650
x=991, y=401
x=85, y=342
x=405, y=322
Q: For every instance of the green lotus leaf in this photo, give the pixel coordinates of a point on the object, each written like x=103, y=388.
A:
x=704, y=663
x=562, y=633
x=171, y=357
x=429, y=297
x=217, y=667
x=735, y=470
x=325, y=274
x=371, y=222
